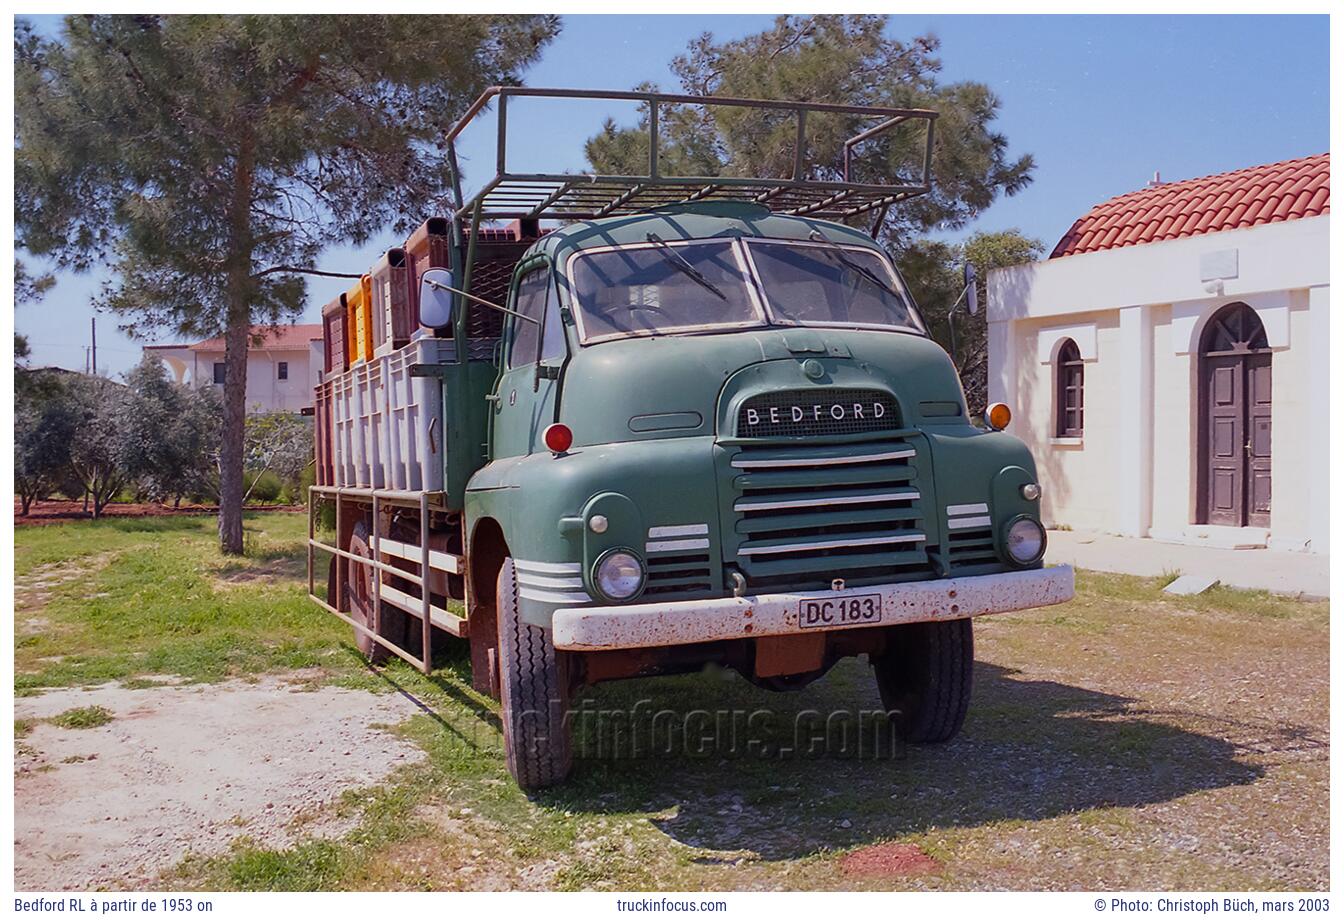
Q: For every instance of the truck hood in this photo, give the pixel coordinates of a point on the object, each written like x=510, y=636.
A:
x=671, y=386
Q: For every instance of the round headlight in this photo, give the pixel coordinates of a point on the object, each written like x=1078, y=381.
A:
x=619, y=575
x=1025, y=541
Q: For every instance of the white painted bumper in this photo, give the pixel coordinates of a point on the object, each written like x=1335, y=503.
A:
x=682, y=622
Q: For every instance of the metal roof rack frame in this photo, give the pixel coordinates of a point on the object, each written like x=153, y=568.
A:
x=567, y=196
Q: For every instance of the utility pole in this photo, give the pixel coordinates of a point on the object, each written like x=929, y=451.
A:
x=93, y=337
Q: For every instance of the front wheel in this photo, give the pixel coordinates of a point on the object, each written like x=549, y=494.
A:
x=925, y=679
x=533, y=694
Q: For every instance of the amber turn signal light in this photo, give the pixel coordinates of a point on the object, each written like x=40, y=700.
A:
x=557, y=438
x=997, y=416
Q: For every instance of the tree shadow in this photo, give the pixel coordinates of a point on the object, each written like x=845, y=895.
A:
x=1030, y=750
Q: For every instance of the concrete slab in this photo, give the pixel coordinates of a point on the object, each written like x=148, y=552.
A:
x=1190, y=584
x=1265, y=569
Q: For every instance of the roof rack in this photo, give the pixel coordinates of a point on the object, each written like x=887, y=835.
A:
x=567, y=196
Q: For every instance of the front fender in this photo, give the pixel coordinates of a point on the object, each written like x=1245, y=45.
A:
x=644, y=489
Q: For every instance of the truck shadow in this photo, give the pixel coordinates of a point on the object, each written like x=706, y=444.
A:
x=726, y=767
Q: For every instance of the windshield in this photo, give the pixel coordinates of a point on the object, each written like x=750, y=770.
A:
x=676, y=287
x=826, y=285
x=661, y=288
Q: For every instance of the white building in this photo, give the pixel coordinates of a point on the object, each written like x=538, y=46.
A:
x=1168, y=364
x=283, y=364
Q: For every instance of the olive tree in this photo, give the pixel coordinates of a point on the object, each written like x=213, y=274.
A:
x=209, y=159
x=44, y=427
x=96, y=445
x=166, y=444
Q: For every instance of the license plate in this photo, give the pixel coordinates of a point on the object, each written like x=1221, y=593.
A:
x=850, y=610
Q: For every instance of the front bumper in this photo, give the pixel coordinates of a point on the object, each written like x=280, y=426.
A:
x=682, y=622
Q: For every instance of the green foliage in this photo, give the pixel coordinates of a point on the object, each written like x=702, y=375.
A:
x=838, y=59
x=279, y=444
x=100, y=408
x=203, y=153
x=209, y=159
x=83, y=717
x=169, y=432
x=264, y=487
x=934, y=272
x=29, y=287
x=44, y=427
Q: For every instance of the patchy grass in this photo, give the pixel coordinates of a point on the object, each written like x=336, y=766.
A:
x=82, y=717
x=153, y=596
x=1128, y=739
x=1107, y=733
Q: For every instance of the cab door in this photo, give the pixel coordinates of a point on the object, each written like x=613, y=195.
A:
x=525, y=399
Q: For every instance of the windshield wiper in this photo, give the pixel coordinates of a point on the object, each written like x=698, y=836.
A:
x=670, y=254
x=855, y=266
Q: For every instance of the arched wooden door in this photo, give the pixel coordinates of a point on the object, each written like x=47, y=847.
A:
x=1235, y=403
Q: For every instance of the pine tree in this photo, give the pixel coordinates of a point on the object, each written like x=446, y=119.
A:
x=209, y=159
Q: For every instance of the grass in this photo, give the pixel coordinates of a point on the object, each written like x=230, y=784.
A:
x=82, y=717
x=134, y=597
x=1103, y=733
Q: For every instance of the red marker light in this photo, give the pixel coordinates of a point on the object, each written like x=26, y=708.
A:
x=558, y=438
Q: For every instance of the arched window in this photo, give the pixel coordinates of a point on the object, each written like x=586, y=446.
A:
x=1068, y=391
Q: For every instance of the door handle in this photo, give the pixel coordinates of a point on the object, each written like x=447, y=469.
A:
x=1248, y=448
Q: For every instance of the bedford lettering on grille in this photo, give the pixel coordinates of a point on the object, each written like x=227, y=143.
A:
x=817, y=412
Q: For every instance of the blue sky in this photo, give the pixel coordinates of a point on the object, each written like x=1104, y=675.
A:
x=1100, y=101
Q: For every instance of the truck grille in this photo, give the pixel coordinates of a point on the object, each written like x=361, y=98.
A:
x=817, y=412
x=970, y=537
x=805, y=514
x=678, y=561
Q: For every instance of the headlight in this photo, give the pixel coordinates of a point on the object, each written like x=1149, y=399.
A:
x=1025, y=541
x=619, y=575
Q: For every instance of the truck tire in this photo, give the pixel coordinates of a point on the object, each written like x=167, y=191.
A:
x=533, y=694
x=925, y=679
x=359, y=588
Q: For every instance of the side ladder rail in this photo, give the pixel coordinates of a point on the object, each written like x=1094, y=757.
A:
x=427, y=559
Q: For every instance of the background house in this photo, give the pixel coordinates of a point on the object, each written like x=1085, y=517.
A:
x=283, y=364
x=1168, y=364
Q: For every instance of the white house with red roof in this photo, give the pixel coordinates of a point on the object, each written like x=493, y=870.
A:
x=283, y=364
x=1168, y=363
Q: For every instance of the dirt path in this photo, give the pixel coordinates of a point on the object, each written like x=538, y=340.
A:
x=187, y=770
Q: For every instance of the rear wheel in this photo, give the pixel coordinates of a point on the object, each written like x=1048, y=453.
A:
x=925, y=679
x=533, y=693
x=359, y=588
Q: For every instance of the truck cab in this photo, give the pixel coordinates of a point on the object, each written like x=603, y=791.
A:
x=716, y=432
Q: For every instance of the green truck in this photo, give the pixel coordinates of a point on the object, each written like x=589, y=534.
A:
x=701, y=420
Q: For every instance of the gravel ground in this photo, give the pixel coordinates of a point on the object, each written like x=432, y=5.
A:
x=188, y=769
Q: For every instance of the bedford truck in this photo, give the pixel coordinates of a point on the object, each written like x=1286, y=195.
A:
x=699, y=420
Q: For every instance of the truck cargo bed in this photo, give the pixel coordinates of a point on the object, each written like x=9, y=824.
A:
x=381, y=427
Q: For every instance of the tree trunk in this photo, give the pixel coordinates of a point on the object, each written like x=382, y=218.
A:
x=235, y=356
x=231, y=442
x=25, y=502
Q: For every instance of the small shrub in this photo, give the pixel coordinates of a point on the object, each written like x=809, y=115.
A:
x=265, y=487
x=83, y=717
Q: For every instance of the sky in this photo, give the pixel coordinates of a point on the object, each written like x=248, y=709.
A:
x=1101, y=102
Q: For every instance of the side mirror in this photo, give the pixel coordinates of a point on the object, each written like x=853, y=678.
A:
x=972, y=293
x=437, y=298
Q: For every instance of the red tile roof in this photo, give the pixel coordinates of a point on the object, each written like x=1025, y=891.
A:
x=1228, y=201
x=294, y=337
